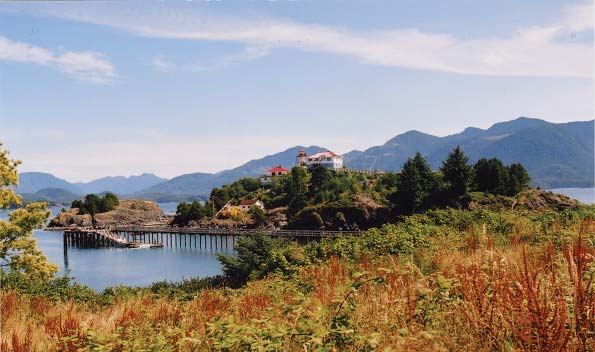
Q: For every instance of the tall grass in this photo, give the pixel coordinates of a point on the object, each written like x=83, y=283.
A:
x=470, y=282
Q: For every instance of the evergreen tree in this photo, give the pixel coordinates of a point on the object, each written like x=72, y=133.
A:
x=320, y=183
x=78, y=204
x=297, y=189
x=92, y=204
x=490, y=176
x=457, y=173
x=518, y=179
x=108, y=202
x=415, y=185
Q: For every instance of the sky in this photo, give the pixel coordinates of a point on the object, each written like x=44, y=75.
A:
x=91, y=89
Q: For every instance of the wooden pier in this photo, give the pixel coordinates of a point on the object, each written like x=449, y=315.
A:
x=93, y=237
x=213, y=238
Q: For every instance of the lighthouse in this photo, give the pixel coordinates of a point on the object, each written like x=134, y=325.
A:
x=300, y=160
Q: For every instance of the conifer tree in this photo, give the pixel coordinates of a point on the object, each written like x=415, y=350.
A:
x=518, y=179
x=490, y=176
x=457, y=173
x=297, y=190
x=414, y=185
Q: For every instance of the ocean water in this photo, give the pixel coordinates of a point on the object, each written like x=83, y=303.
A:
x=585, y=195
x=103, y=267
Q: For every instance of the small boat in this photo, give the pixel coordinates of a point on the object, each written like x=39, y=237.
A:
x=144, y=245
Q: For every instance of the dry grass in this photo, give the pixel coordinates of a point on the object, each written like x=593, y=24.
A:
x=514, y=298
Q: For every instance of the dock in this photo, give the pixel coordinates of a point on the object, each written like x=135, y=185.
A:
x=93, y=237
x=213, y=238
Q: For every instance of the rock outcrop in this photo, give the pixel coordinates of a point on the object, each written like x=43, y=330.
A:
x=71, y=218
x=530, y=199
x=538, y=199
x=129, y=212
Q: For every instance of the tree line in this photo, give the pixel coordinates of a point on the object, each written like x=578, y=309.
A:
x=416, y=188
x=195, y=211
x=94, y=204
x=419, y=188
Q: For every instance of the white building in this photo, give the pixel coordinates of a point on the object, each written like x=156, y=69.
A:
x=245, y=205
x=328, y=159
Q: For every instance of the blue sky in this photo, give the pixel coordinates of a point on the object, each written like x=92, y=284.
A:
x=119, y=88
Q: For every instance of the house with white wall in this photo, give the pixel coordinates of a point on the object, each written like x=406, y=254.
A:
x=328, y=159
x=246, y=204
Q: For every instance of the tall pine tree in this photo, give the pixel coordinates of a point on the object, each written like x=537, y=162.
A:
x=457, y=173
x=415, y=185
x=297, y=189
x=490, y=176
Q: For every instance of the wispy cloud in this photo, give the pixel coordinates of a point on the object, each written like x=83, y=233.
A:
x=162, y=63
x=533, y=51
x=83, y=65
x=248, y=54
x=578, y=18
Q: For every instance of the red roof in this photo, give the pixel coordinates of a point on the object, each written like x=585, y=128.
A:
x=248, y=202
x=277, y=169
x=327, y=154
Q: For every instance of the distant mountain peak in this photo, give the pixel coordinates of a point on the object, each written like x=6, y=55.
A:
x=556, y=155
x=516, y=125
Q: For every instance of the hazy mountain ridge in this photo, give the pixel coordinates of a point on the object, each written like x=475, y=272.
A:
x=57, y=195
x=555, y=154
x=202, y=183
x=32, y=182
x=121, y=184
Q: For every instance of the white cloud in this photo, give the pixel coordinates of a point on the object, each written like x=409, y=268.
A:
x=536, y=51
x=578, y=18
x=84, y=65
x=162, y=63
x=248, y=54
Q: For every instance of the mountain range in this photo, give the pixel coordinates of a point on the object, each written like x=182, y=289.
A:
x=556, y=155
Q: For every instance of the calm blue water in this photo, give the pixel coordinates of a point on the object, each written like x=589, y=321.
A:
x=169, y=208
x=103, y=267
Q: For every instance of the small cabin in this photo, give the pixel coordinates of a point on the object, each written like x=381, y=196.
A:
x=245, y=205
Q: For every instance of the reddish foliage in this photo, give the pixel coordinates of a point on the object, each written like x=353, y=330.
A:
x=8, y=304
x=66, y=331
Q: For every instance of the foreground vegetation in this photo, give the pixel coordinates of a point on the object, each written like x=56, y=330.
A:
x=444, y=280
